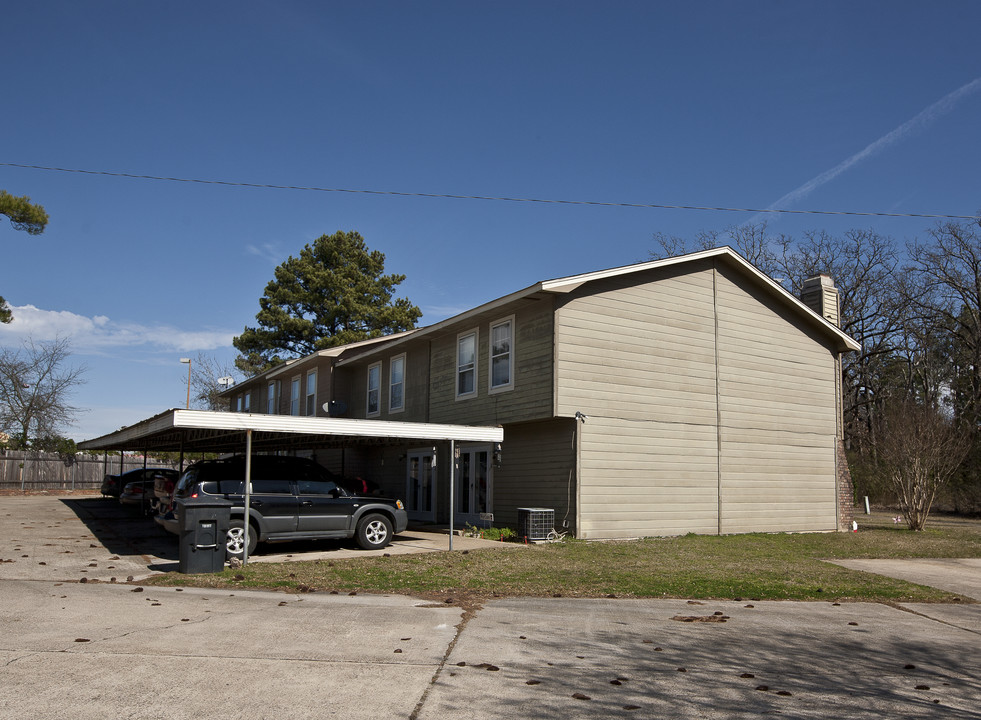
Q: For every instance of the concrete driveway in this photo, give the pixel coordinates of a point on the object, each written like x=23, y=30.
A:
x=86, y=538
x=89, y=651
x=93, y=650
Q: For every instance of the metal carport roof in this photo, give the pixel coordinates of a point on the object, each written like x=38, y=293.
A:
x=225, y=432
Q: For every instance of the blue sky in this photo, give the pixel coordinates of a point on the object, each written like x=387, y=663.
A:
x=870, y=106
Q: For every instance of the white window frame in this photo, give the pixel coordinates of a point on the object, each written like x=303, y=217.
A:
x=392, y=384
x=462, y=367
x=376, y=367
x=509, y=385
x=310, y=399
x=271, y=397
x=295, y=390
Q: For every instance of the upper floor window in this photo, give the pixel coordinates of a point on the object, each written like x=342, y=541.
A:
x=295, y=396
x=311, y=404
x=501, y=355
x=396, y=384
x=247, y=402
x=374, y=389
x=466, y=364
x=271, y=398
x=238, y=403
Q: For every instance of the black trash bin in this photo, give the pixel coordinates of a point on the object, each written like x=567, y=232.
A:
x=203, y=531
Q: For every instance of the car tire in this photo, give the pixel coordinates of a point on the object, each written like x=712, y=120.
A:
x=235, y=539
x=374, y=532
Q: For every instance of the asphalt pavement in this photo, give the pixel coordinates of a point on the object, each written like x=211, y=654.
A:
x=96, y=649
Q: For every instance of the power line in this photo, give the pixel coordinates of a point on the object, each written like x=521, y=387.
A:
x=449, y=196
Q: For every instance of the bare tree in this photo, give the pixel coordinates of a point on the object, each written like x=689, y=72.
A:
x=753, y=242
x=945, y=292
x=206, y=372
x=864, y=266
x=36, y=385
x=919, y=449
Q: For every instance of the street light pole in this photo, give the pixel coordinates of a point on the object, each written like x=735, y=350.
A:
x=188, y=361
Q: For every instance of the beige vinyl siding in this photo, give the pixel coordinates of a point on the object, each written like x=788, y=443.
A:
x=777, y=404
x=656, y=363
x=642, y=352
x=537, y=469
x=638, y=359
x=647, y=478
x=531, y=395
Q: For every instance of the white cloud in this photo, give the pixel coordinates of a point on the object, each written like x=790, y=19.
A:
x=98, y=333
x=267, y=251
x=436, y=313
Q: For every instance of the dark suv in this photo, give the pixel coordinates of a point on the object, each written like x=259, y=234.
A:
x=292, y=499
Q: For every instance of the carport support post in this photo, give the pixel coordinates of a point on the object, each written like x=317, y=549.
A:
x=452, y=464
x=248, y=494
x=143, y=490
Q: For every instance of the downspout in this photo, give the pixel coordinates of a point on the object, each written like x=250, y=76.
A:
x=718, y=400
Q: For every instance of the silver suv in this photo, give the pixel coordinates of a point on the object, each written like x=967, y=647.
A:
x=291, y=499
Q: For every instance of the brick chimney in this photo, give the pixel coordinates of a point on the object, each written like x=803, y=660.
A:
x=820, y=295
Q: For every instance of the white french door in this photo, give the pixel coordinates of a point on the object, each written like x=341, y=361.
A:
x=420, y=485
x=473, y=492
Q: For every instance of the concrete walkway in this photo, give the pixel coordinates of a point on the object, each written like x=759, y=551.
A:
x=957, y=575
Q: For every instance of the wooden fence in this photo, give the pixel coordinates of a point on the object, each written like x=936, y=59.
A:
x=29, y=471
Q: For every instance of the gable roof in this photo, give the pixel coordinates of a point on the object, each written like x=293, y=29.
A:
x=291, y=365
x=841, y=340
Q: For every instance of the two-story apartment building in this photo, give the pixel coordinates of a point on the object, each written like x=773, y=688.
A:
x=691, y=394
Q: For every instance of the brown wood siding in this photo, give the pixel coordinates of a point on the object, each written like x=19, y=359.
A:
x=531, y=396
x=352, y=384
x=777, y=402
x=537, y=471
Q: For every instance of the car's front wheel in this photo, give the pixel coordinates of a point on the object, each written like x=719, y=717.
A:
x=374, y=532
x=235, y=539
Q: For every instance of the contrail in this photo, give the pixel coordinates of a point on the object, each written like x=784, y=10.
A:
x=923, y=119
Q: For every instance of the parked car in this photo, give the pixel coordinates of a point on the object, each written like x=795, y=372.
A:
x=113, y=485
x=291, y=499
x=164, y=484
x=137, y=492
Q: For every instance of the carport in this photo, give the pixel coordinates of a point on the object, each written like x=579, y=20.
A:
x=199, y=431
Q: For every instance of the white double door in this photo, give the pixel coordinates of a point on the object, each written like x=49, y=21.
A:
x=473, y=484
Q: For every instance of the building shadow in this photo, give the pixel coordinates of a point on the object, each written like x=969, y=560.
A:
x=123, y=530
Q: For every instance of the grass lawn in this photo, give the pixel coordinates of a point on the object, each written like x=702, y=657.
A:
x=756, y=566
